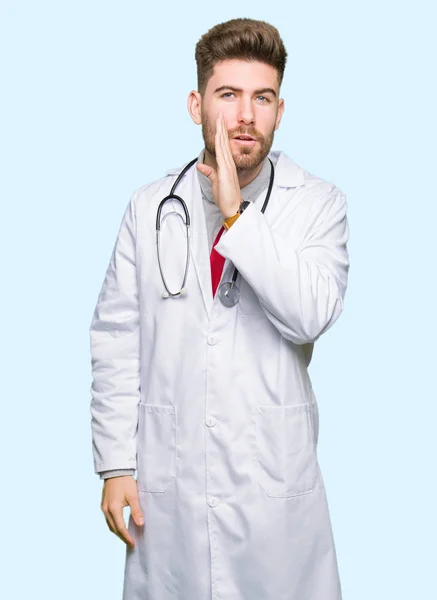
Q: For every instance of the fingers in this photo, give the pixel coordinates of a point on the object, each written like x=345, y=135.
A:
x=219, y=142
x=135, y=509
x=227, y=147
x=226, y=153
x=223, y=149
x=117, y=493
x=120, y=529
x=207, y=171
x=110, y=523
x=114, y=519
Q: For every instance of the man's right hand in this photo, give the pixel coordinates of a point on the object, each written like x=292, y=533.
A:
x=117, y=493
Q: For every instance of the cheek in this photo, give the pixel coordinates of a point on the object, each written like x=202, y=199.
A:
x=266, y=123
x=229, y=111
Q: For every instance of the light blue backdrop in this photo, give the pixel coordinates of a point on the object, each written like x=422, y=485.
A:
x=93, y=105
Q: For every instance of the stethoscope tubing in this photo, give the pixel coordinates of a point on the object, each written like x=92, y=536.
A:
x=173, y=196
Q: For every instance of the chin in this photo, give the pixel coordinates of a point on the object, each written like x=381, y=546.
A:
x=246, y=160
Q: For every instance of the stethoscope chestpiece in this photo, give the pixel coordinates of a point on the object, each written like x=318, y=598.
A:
x=229, y=294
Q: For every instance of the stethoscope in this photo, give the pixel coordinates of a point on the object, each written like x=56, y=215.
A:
x=228, y=291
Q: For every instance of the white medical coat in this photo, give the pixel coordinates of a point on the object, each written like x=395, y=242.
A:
x=214, y=406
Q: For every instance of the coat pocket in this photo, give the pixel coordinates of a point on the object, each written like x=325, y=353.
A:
x=156, y=447
x=287, y=458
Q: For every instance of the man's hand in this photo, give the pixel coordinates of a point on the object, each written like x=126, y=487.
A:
x=225, y=184
x=117, y=493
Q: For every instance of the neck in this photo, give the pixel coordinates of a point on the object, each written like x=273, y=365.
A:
x=244, y=177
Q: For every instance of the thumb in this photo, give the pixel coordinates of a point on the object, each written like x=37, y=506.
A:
x=207, y=171
x=135, y=510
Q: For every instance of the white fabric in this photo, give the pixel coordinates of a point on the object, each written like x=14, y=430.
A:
x=214, y=406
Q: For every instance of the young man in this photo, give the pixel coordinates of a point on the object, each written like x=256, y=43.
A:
x=206, y=394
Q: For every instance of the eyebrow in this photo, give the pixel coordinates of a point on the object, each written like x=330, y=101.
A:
x=234, y=89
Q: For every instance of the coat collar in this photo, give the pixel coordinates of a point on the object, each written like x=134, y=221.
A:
x=288, y=173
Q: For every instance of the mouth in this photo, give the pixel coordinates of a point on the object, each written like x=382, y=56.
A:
x=244, y=140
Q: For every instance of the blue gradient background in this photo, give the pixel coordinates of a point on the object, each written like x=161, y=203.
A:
x=93, y=105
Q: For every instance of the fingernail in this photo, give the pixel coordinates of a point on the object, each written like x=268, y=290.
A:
x=140, y=522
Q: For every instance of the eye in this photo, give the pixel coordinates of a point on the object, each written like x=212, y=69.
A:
x=227, y=94
x=264, y=99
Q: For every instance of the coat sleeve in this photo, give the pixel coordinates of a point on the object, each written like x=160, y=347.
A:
x=115, y=360
x=300, y=283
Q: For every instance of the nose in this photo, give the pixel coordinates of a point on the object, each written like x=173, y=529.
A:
x=245, y=111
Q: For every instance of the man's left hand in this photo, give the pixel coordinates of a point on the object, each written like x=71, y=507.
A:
x=225, y=184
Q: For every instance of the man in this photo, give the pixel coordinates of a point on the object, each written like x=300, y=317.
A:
x=206, y=394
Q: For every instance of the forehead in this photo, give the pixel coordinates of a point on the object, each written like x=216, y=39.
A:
x=249, y=75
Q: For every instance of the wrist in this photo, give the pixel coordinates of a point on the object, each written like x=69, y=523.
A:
x=227, y=223
x=231, y=211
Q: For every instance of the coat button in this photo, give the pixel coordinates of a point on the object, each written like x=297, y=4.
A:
x=213, y=501
x=210, y=421
x=212, y=341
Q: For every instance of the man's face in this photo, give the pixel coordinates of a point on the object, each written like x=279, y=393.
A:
x=247, y=94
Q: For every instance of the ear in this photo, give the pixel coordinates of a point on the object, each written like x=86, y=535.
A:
x=280, y=113
x=194, y=104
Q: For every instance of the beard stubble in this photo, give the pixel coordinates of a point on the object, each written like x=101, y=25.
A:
x=245, y=158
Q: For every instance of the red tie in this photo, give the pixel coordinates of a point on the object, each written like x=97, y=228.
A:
x=217, y=262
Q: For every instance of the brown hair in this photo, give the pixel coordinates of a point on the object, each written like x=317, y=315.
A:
x=245, y=39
